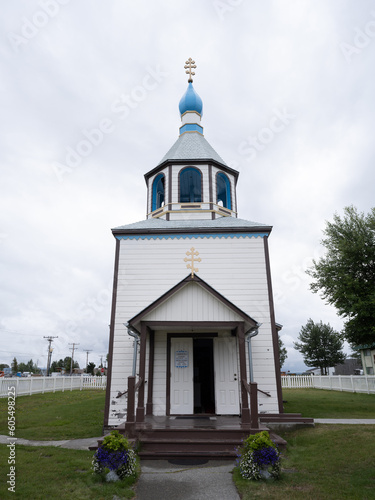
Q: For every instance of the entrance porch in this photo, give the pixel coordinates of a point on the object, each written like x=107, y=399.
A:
x=212, y=436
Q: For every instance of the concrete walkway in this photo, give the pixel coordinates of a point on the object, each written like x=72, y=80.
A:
x=73, y=444
x=209, y=481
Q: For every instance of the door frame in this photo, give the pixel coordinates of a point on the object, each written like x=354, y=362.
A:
x=209, y=328
x=208, y=335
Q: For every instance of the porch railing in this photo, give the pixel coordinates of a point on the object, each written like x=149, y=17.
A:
x=130, y=413
x=252, y=390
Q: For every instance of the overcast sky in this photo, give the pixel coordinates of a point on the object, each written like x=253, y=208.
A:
x=288, y=97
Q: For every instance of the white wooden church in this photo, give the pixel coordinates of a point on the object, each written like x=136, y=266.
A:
x=192, y=320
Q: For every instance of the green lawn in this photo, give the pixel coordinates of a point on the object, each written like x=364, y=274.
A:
x=54, y=473
x=57, y=416
x=325, y=462
x=319, y=403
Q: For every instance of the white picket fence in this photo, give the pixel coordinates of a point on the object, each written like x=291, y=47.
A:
x=34, y=385
x=350, y=383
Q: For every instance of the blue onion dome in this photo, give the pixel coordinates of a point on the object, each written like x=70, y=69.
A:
x=191, y=101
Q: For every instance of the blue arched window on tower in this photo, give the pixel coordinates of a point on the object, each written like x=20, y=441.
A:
x=190, y=185
x=158, y=192
x=223, y=191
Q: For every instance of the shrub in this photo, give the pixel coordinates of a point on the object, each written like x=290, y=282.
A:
x=258, y=457
x=115, y=454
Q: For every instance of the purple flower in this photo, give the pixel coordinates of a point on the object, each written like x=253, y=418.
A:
x=266, y=456
x=111, y=459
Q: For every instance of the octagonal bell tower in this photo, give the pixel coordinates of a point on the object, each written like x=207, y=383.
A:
x=192, y=181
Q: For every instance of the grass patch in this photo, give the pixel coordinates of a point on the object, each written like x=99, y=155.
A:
x=57, y=416
x=55, y=473
x=318, y=403
x=335, y=462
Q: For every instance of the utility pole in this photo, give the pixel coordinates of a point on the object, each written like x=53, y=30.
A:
x=49, y=340
x=72, y=360
x=87, y=357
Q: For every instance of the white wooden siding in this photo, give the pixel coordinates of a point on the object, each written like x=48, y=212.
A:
x=192, y=303
x=160, y=373
x=235, y=267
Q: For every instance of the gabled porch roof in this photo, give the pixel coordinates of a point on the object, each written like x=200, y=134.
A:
x=195, y=301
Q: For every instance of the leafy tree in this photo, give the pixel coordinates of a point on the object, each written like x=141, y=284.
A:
x=30, y=366
x=67, y=363
x=14, y=365
x=320, y=345
x=90, y=368
x=3, y=365
x=283, y=353
x=346, y=274
x=57, y=366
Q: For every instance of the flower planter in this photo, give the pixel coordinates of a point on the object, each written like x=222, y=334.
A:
x=114, y=459
x=258, y=458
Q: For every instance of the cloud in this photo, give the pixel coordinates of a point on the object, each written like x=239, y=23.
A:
x=55, y=243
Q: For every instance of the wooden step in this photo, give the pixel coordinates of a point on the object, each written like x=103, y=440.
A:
x=165, y=455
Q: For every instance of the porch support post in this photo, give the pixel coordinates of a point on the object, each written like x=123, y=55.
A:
x=130, y=418
x=150, y=389
x=140, y=416
x=254, y=405
x=245, y=413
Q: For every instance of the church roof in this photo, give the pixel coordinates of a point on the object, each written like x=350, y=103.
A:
x=216, y=225
x=192, y=146
x=205, y=287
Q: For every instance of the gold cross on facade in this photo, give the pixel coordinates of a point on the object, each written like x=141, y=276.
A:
x=189, y=65
x=193, y=253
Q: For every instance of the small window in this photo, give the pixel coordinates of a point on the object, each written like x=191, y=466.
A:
x=190, y=185
x=369, y=370
x=223, y=197
x=367, y=352
x=158, y=192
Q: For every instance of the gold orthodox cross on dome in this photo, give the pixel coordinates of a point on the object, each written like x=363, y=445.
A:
x=189, y=65
x=192, y=254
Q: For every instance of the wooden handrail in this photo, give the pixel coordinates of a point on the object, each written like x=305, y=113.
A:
x=138, y=384
x=121, y=394
x=136, y=387
x=247, y=387
x=266, y=393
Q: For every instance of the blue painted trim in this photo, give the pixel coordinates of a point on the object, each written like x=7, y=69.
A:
x=191, y=127
x=154, y=187
x=227, y=189
x=189, y=236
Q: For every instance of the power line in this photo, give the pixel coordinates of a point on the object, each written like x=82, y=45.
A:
x=49, y=340
x=72, y=360
x=87, y=357
x=13, y=332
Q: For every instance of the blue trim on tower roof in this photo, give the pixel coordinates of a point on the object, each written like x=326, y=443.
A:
x=188, y=235
x=191, y=127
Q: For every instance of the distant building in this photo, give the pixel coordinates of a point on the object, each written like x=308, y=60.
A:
x=317, y=371
x=351, y=366
x=368, y=358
